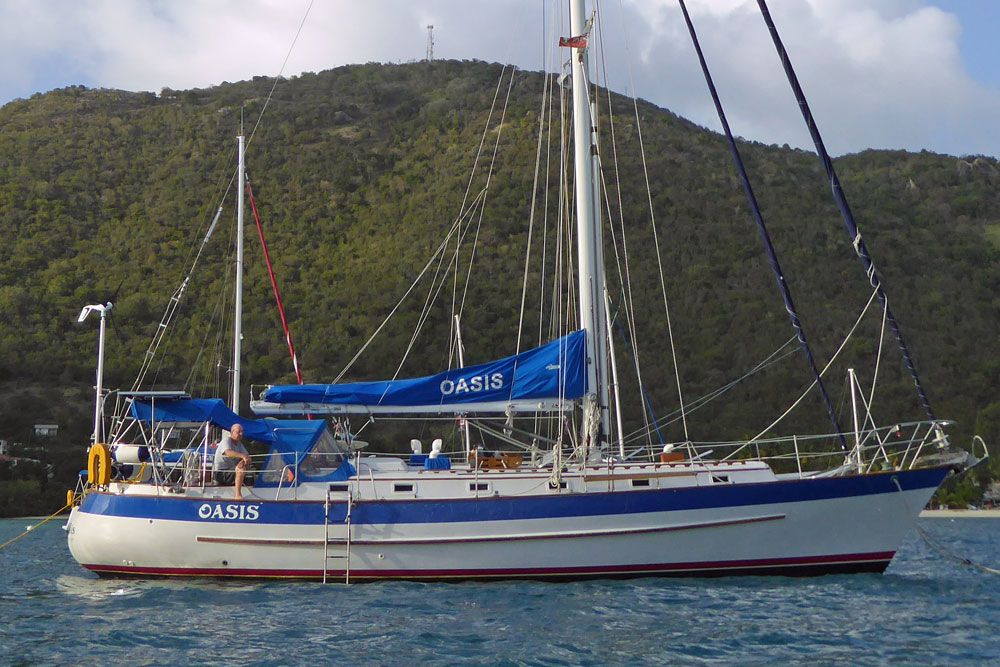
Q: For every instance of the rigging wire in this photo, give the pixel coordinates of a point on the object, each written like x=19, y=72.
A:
x=222, y=303
x=648, y=407
x=656, y=242
x=434, y=290
x=229, y=187
x=465, y=199
x=164, y=330
x=563, y=299
x=209, y=329
x=878, y=362
x=489, y=177
x=434, y=256
x=698, y=403
x=456, y=231
x=274, y=284
x=845, y=210
x=805, y=393
x=531, y=213
x=622, y=257
x=545, y=106
x=277, y=78
x=758, y=217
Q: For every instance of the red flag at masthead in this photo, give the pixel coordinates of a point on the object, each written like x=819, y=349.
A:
x=578, y=42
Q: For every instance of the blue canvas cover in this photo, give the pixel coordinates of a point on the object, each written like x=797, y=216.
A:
x=195, y=410
x=294, y=447
x=439, y=463
x=553, y=371
x=291, y=441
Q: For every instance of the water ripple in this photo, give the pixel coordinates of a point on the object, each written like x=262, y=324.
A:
x=925, y=610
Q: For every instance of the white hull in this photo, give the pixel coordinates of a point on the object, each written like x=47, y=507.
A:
x=845, y=524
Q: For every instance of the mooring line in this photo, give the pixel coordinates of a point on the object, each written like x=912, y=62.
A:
x=936, y=546
x=31, y=528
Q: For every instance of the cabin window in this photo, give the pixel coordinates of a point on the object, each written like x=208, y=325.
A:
x=562, y=484
x=399, y=487
x=720, y=479
x=640, y=482
x=338, y=488
x=479, y=486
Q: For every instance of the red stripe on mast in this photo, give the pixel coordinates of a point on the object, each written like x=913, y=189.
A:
x=274, y=284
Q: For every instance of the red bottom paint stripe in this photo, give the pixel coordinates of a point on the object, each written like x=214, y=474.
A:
x=871, y=562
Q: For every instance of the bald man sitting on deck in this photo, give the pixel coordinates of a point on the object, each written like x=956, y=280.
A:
x=231, y=460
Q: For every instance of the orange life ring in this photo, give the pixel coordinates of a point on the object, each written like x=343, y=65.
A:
x=99, y=465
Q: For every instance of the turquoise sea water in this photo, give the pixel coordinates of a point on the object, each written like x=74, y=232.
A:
x=924, y=610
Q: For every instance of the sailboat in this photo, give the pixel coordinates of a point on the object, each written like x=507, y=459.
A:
x=574, y=504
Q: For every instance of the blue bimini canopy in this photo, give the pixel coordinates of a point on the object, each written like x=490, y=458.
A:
x=544, y=378
x=291, y=441
x=198, y=411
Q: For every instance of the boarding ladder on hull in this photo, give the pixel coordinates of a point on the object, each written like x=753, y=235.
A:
x=346, y=541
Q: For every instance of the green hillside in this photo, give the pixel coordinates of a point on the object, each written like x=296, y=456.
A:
x=360, y=171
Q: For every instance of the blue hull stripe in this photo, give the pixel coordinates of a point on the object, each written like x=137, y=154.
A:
x=564, y=505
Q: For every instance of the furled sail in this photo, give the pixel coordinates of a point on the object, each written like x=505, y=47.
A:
x=544, y=378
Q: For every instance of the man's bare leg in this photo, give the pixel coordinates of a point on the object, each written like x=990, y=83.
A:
x=240, y=469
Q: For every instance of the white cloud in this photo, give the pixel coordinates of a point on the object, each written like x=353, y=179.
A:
x=884, y=74
x=878, y=73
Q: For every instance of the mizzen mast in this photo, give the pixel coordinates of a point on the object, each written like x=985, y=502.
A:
x=238, y=300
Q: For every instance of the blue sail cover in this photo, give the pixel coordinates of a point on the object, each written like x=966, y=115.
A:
x=556, y=370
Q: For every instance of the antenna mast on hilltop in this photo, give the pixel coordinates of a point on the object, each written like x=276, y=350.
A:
x=430, y=43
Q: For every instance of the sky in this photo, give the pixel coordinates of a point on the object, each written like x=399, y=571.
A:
x=884, y=74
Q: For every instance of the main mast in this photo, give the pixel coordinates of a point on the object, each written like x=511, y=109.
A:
x=238, y=307
x=590, y=248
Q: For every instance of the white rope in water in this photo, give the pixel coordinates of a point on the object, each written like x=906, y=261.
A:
x=936, y=546
x=942, y=550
